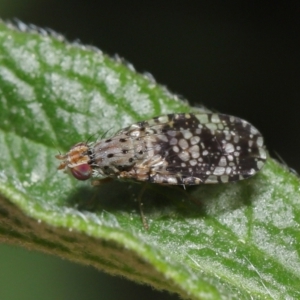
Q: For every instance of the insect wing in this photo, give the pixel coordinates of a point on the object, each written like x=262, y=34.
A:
x=202, y=148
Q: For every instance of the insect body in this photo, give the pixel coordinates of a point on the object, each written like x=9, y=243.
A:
x=174, y=149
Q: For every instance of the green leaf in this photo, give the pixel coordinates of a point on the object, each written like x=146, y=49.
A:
x=231, y=241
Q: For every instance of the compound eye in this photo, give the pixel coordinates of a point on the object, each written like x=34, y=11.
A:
x=82, y=172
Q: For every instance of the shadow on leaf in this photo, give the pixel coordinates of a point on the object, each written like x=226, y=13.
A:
x=122, y=197
x=163, y=202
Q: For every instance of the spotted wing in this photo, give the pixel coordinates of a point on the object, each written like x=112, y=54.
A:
x=202, y=148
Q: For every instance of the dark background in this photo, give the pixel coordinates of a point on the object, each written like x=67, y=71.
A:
x=237, y=58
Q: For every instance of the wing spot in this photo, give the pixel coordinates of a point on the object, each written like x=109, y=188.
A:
x=184, y=155
x=193, y=162
x=229, y=148
x=173, y=141
x=219, y=171
x=183, y=144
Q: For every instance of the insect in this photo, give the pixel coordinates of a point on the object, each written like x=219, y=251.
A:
x=174, y=149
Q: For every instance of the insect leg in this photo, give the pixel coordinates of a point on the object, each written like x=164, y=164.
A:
x=144, y=220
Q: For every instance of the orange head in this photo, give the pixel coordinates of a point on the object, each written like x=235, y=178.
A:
x=77, y=160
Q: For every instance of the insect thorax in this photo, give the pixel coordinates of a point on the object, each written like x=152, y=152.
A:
x=117, y=154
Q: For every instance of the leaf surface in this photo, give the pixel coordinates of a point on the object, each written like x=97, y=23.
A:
x=231, y=241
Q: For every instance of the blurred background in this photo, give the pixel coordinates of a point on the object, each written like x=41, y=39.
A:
x=240, y=59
